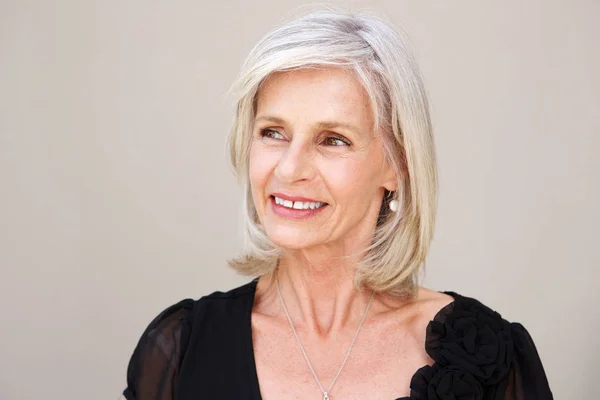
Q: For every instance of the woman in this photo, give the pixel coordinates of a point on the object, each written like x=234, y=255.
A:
x=333, y=144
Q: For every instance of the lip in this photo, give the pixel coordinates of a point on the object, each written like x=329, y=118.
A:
x=292, y=213
x=296, y=198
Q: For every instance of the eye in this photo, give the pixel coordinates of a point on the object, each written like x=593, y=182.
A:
x=271, y=134
x=335, y=141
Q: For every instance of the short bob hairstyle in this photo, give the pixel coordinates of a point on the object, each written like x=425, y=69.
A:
x=379, y=56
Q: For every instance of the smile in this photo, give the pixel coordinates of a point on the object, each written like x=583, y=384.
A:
x=295, y=207
x=298, y=205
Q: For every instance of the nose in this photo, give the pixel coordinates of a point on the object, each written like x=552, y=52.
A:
x=295, y=164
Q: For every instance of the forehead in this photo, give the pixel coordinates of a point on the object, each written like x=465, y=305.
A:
x=326, y=93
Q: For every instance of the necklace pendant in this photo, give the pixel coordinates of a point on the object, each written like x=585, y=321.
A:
x=325, y=396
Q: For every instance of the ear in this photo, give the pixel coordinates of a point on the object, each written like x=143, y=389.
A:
x=390, y=178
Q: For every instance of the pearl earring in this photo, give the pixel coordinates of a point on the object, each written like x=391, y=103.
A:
x=393, y=205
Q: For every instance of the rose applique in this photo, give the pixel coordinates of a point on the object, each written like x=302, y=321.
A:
x=445, y=383
x=474, y=338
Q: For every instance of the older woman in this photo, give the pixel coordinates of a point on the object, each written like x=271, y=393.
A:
x=333, y=144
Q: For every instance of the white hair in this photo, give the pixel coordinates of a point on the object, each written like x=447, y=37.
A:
x=379, y=55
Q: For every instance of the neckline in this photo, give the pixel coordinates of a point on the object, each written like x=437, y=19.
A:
x=250, y=345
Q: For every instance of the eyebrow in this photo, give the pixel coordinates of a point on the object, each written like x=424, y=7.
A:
x=321, y=124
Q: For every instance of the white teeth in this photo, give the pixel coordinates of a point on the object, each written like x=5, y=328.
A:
x=298, y=205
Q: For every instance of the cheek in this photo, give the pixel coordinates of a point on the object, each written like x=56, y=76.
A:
x=350, y=179
x=260, y=166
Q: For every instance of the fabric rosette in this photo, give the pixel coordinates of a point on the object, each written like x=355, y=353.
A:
x=474, y=338
x=445, y=383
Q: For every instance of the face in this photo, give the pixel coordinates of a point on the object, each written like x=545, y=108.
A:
x=317, y=170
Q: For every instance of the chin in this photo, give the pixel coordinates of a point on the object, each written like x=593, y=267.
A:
x=292, y=239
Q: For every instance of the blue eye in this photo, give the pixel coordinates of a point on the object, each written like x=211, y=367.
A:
x=269, y=133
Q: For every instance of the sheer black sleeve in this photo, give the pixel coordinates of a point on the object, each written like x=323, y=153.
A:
x=155, y=362
x=527, y=378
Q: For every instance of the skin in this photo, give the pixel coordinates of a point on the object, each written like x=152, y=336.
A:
x=295, y=153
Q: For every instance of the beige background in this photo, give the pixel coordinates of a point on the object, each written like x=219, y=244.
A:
x=117, y=200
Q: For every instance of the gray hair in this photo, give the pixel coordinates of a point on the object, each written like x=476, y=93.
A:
x=379, y=55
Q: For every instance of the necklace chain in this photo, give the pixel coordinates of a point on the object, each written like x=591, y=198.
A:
x=325, y=392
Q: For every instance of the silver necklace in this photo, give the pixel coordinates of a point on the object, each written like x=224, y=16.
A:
x=325, y=392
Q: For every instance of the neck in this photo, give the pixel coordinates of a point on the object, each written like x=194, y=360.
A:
x=321, y=297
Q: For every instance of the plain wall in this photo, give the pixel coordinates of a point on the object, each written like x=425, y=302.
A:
x=116, y=198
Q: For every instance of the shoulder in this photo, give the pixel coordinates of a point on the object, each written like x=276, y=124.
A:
x=430, y=302
x=158, y=356
x=466, y=331
x=187, y=311
x=177, y=322
x=444, y=307
x=170, y=318
x=242, y=292
x=473, y=343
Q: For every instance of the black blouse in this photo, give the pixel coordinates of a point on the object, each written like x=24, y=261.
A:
x=203, y=350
